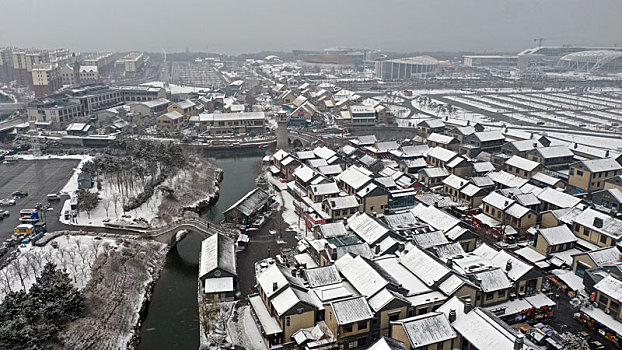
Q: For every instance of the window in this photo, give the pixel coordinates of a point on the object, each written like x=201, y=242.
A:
x=603, y=239
x=501, y=294
x=579, y=173
x=361, y=325
x=347, y=328
x=603, y=299
x=394, y=317
x=287, y=321
x=490, y=296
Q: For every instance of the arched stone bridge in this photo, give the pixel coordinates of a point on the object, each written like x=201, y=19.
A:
x=175, y=232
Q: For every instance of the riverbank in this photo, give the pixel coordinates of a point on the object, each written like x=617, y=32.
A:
x=116, y=296
x=192, y=189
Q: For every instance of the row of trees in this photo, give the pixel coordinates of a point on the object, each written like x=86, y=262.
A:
x=30, y=320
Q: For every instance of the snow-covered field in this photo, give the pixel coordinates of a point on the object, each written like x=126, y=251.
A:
x=74, y=254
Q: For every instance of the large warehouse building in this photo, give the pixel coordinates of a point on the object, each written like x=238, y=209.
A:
x=406, y=68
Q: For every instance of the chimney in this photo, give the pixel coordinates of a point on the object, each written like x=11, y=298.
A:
x=377, y=249
x=400, y=247
x=598, y=222
x=450, y=262
x=452, y=315
x=508, y=265
x=467, y=306
x=535, y=145
x=519, y=341
x=576, y=145
x=606, y=153
x=468, y=122
x=275, y=286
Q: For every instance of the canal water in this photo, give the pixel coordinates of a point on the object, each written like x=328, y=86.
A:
x=172, y=319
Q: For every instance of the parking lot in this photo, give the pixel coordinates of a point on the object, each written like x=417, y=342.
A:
x=38, y=178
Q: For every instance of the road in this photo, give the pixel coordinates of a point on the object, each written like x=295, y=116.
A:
x=38, y=178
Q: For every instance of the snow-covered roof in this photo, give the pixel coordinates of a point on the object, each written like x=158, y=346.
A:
x=440, y=138
x=185, y=104
x=219, y=285
x=448, y=250
x=442, y=154
x=530, y=254
x=217, y=252
x=498, y=201
x=426, y=268
x=451, y=285
x=432, y=123
x=526, y=145
x=518, y=268
x=269, y=324
x=558, y=198
x=492, y=280
x=427, y=329
x=250, y=202
x=557, y=235
x=333, y=229
x=470, y=190
x=485, y=136
x=304, y=173
x=322, y=276
x=351, y=310
x=386, y=343
x=610, y=286
x=605, y=255
x=554, y=152
x=280, y=155
x=382, y=298
x=324, y=152
x=482, y=181
x=517, y=211
x=277, y=276
x=345, y=202
x=506, y=179
x=483, y=167
x=392, y=267
x=608, y=225
x=435, y=217
x=600, y=165
x=324, y=189
x=354, y=178
x=290, y=297
x=522, y=163
x=330, y=169
x=486, y=332
x=304, y=155
x=363, y=277
x=426, y=240
x=364, y=226
x=414, y=151
x=174, y=115
x=435, y=172
x=455, y=182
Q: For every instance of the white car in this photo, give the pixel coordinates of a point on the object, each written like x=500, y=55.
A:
x=7, y=201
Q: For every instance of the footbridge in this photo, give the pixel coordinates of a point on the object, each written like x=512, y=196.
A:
x=174, y=232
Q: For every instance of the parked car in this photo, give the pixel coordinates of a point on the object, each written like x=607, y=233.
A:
x=20, y=194
x=7, y=201
x=53, y=197
x=4, y=212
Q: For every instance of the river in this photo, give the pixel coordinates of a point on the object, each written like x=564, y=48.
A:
x=172, y=318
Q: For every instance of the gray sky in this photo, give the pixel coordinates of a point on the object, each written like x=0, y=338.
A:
x=238, y=26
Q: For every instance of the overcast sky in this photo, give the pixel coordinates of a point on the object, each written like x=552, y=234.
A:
x=237, y=26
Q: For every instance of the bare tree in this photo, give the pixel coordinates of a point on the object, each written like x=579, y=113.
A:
x=17, y=267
